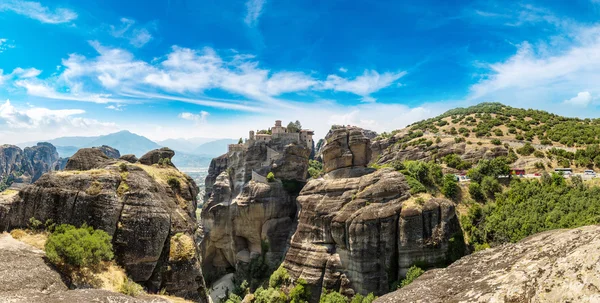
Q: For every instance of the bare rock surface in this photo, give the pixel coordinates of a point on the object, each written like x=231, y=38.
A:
x=358, y=229
x=26, y=277
x=153, y=156
x=88, y=158
x=553, y=266
x=137, y=206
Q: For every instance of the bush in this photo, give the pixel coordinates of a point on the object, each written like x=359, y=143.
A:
x=526, y=149
x=269, y=295
x=279, y=277
x=490, y=186
x=476, y=192
x=131, y=288
x=182, y=248
x=174, y=183
x=413, y=273
x=35, y=224
x=450, y=186
x=333, y=297
x=271, y=177
x=79, y=247
x=300, y=293
x=539, y=154
x=415, y=186
x=123, y=167
x=496, y=142
x=360, y=299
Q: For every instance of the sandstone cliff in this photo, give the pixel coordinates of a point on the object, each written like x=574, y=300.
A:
x=243, y=213
x=554, y=266
x=26, y=165
x=144, y=207
x=359, y=230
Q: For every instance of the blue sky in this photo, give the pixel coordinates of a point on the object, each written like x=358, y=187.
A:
x=183, y=68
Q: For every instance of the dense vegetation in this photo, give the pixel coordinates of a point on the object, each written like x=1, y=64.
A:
x=78, y=247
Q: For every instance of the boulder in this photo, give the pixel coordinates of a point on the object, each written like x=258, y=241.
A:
x=26, y=277
x=131, y=158
x=553, y=266
x=138, y=207
x=153, y=156
x=88, y=158
x=109, y=151
x=346, y=147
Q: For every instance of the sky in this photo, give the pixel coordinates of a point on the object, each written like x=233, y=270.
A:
x=218, y=68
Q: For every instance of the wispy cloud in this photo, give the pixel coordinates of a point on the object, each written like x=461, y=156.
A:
x=366, y=84
x=254, y=9
x=582, y=99
x=4, y=45
x=137, y=36
x=35, y=10
x=19, y=73
x=116, y=107
x=197, y=118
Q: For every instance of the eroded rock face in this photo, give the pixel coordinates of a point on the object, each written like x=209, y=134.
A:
x=135, y=206
x=131, y=158
x=109, y=151
x=242, y=211
x=25, y=277
x=88, y=158
x=358, y=229
x=554, y=266
x=27, y=165
x=153, y=156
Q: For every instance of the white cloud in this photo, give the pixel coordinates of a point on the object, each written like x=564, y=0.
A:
x=364, y=85
x=37, y=123
x=537, y=73
x=19, y=73
x=38, y=12
x=137, y=36
x=198, y=118
x=343, y=70
x=582, y=99
x=253, y=10
x=4, y=45
x=116, y=107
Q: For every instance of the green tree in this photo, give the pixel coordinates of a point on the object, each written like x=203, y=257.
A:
x=412, y=274
x=490, y=186
x=79, y=247
x=333, y=297
x=450, y=186
x=476, y=192
x=300, y=293
x=279, y=277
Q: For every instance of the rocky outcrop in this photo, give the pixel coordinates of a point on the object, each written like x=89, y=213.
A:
x=109, y=151
x=243, y=213
x=153, y=156
x=389, y=150
x=26, y=277
x=25, y=166
x=359, y=230
x=131, y=158
x=139, y=206
x=554, y=266
x=88, y=158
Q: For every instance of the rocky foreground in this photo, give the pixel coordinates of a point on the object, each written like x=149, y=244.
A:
x=553, y=266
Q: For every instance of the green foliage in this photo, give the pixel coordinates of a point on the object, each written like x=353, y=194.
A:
x=494, y=168
x=498, y=133
x=476, y=192
x=496, y=142
x=539, y=154
x=539, y=165
x=269, y=295
x=315, y=168
x=526, y=150
x=164, y=161
x=79, y=247
x=233, y=298
x=130, y=288
x=456, y=247
x=413, y=273
x=333, y=297
x=455, y=161
x=122, y=167
x=300, y=293
x=294, y=127
x=415, y=186
x=174, y=183
x=490, y=186
x=35, y=224
x=533, y=206
x=279, y=277
x=271, y=177
x=450, y=186
x=360, y=299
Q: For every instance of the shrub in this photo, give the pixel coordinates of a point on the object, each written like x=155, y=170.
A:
x=498, y=132
x=333, y=297
x=123, y=167
x=271, y=177
x=413, y=273
x=450, y=186
x=476, y=192
x=94, y=189
x=496, y=142
x=415, y=186
x=526, y=149
x=300, y=293
x=35, y=224
x=131, y=288
x=79, y=247
x=539, y=165
x=269, y=295
x=490, y=186
x=360, y=299
x=182, y=248
x=438, y=140
x=279, y=277
x=174, y=183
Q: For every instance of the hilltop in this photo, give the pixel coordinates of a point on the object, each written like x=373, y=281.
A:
x=531, y=139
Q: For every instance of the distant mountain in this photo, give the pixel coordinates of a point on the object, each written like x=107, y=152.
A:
x=126, y=142
x=214, y=148
x=66, y=151
x=63, y=141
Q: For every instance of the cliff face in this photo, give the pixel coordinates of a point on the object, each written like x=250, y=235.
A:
x=29, y=164
x=358, y=229
x=243, y=212
x=137, y=204
x=554, y=266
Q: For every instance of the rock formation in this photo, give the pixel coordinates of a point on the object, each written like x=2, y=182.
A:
x=131, y=158
x=553, y=266
x=109, y=151
x=152, y=157
x=243, y=212
x=358, y=229
x=28, y=278
x=25, y=166
x=143, y=207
